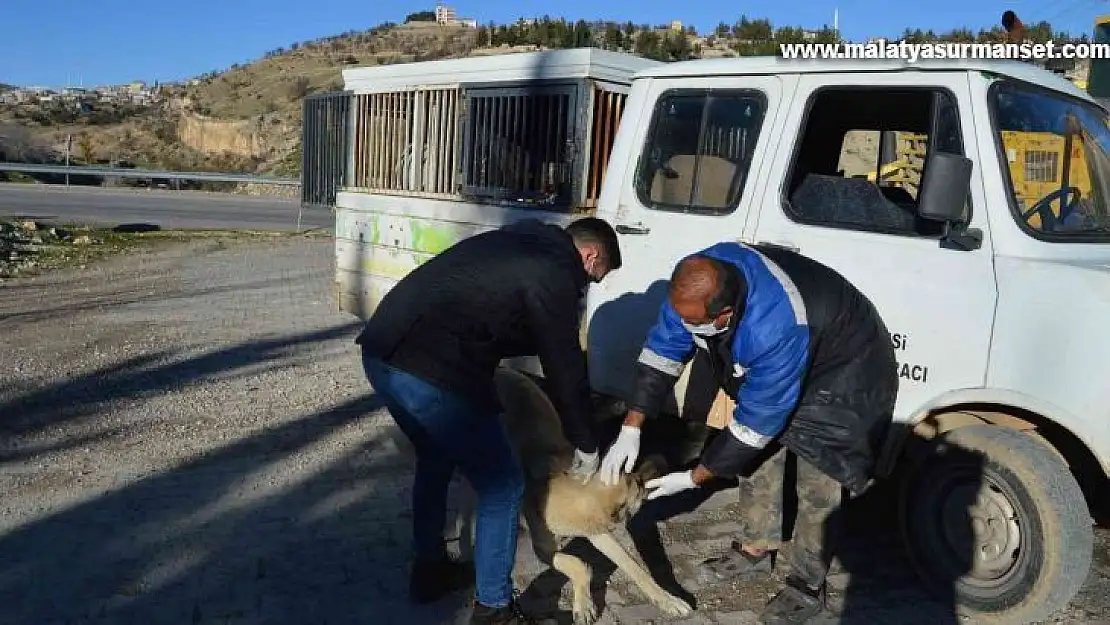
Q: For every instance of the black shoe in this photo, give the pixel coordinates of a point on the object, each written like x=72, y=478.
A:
x=431, y=581
x=735, y=563
x=508, y=615
x=796, y=603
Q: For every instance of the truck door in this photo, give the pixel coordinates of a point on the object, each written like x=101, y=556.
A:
x=837, y=196
x=687, y=171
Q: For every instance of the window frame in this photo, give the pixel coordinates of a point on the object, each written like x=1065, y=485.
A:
x=795, y=151
x=1001, y=82
x=642, y=194
x=576, y=129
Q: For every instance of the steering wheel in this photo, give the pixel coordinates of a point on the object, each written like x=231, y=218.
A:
x=1043, y=207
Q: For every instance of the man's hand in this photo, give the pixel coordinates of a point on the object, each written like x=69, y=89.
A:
x=584, y=466
x=622, y=455
x=670, y=484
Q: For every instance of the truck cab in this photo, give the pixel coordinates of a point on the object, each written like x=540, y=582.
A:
x=972, y=268
x=967, y=199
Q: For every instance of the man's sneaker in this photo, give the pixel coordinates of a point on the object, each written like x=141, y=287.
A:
x=734, y=564
x=431, y=581
x=508, y=615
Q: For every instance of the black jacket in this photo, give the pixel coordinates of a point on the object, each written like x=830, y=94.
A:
x=818, y=375
x=515, y=291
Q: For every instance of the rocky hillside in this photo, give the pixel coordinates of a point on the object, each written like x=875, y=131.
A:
x=247, y=118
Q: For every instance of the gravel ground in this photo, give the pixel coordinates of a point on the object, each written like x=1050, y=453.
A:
x=187, y=438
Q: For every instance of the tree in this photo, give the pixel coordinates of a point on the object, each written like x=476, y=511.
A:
x=676, y=47
x=614, y=38
x=582, y=36
x=648, y=45
x=85, y=148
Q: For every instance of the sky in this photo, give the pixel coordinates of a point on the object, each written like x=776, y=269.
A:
x=55, y=43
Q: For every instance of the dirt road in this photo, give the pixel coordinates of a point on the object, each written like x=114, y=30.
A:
x=187, y=438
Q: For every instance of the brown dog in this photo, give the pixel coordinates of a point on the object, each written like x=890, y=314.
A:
x=557, y=508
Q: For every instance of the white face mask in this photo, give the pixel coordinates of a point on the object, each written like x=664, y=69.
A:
x=705, y=329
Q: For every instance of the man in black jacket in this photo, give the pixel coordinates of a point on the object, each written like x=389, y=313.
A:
x=430, y=351
x=811, y=366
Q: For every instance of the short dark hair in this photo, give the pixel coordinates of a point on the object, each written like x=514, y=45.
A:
x=596, y=231
x=1008, y=20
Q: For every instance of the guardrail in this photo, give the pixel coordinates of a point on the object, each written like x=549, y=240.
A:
x=126, y=172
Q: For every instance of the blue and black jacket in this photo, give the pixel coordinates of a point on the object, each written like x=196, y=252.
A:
x=806, y=358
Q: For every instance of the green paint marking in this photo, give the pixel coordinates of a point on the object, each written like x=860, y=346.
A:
x=374, y=230
x=432, y=237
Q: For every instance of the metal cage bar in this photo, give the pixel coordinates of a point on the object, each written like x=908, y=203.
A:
x=324, y=147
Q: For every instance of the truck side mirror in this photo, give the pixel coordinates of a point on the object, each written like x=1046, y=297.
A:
x=945, y=188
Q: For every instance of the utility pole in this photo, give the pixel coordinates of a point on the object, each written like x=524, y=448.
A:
x=69, y=148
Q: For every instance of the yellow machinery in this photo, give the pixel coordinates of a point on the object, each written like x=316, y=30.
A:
x=1036, y=162
x=905, y=170
x=1037, y=166
x=1036, y=159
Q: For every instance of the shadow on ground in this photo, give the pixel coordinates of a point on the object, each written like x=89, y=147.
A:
x=287, y=526
x=146, y=374
x=871, y=582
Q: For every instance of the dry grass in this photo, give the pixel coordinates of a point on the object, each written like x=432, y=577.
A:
x=277, y=83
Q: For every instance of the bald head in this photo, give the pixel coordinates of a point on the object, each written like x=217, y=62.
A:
x=695, y=279
x=702, y=289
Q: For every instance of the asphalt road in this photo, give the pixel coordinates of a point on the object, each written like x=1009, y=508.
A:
x=166, y=209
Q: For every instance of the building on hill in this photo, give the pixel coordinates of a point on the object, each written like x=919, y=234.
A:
x=446, y=16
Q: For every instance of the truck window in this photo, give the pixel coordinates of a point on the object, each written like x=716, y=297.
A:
x=698, y=150
x=1055, y=155
x=861, y=156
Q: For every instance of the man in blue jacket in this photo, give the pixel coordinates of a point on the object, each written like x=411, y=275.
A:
x=810, y=364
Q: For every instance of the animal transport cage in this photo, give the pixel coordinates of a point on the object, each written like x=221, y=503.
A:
x=440, y=150
x=525, y=129
x=530, y=129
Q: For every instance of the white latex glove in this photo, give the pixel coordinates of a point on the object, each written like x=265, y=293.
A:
x=670, y=484
x=584, y=466
x=622, y=455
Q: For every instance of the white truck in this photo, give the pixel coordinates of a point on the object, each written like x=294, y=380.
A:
x=967, y=199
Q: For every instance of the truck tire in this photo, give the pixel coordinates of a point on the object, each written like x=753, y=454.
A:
x=1007, y=497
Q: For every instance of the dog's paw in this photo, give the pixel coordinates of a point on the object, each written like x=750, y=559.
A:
x=673, y=606
x=584, y=610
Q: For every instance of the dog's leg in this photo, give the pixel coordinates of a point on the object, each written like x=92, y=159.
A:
x=665, y=601
x=579, y=573
x=546, y=546
x=464, y=524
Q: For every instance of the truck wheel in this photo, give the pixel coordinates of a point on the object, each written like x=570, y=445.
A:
x=1010, y=501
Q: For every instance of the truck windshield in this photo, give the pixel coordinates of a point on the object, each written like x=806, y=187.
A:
x=1057, y=151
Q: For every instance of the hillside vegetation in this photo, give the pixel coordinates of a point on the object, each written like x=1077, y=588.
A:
x=246, y=118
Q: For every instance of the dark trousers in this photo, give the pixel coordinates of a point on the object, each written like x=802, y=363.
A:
x=779, y=479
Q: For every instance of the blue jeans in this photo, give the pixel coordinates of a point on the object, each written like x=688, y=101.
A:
x=449, y=432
